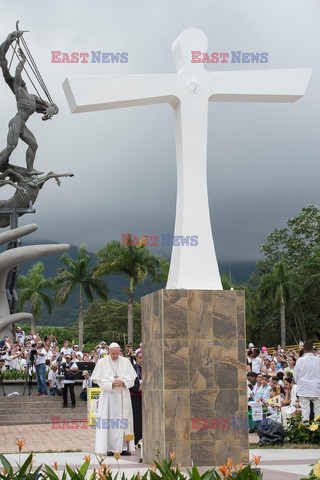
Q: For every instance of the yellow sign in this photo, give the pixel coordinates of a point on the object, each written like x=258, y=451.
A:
x=93, y=395
x=275, y=401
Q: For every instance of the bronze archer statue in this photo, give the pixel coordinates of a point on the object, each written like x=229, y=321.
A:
x=27, y=104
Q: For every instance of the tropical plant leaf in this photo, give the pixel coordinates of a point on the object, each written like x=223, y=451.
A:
x=7, y=465
x=84, y=468
x=51, y=473
x=24, y=466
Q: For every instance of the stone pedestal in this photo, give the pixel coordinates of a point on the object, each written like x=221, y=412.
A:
x=194, y=376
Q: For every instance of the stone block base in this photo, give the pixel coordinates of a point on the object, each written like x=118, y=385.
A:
x=194, y=376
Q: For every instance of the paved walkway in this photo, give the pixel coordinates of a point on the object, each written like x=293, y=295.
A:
x=44, y=438
x=277, y=464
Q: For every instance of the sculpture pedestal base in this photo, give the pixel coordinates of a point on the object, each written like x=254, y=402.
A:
x=194, y=376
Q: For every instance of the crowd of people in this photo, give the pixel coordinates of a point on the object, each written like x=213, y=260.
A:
x=285, y=382
x=281, y=381
x=56, y=368
x=16, y=354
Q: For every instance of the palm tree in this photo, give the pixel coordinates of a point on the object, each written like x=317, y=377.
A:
x=77, y=273
x=135, y=261
x=32, y=289
x=277, y=286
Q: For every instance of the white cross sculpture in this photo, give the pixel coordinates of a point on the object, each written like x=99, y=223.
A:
x=188, y=92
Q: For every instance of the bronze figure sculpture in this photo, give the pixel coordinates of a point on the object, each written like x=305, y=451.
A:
x=26, y=181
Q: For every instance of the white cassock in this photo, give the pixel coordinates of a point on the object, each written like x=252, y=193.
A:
x=114, y=429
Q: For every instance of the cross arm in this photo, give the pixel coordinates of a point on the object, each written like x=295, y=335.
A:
x=104, y=92
x=278, y=85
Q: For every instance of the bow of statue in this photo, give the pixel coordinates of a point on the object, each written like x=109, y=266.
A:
x=21, y=178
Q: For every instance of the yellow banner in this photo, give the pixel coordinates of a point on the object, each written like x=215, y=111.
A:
x=92, y=404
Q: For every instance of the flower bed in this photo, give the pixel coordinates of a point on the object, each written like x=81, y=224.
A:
x=161, y=470
x=299, y=431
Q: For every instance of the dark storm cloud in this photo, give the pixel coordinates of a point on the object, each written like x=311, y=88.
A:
x=263, y=162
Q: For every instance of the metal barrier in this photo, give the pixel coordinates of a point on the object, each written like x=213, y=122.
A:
x=294, y=347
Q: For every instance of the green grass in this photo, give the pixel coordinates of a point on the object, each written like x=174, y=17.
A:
x=60, y=451
x=48, y=451
x=285, y=446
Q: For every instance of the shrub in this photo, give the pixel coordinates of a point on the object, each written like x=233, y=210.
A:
x=299, y=431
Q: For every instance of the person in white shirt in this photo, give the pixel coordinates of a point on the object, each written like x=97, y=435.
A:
x=12, y=358
x=256, y=363
x=40, y=363
x=291, y=361
x=66, y=349
x=52, y=379
x=87, y=383
x=77, y=351
x=251, y=380
x=74, y=357
x=257, y=387
x=22, y=362
x=20, y=335
x=307, y=378
x=6, y=359
x=263, y=394
x=48, y=352
x=115, y=376
x=102, y=349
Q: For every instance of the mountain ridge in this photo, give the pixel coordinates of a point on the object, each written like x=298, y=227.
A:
x=68, y=314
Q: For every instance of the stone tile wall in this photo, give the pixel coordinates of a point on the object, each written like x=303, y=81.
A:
x=194, y=366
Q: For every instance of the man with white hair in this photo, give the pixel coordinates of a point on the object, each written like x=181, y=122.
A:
x=114, y=430
x=307, y=378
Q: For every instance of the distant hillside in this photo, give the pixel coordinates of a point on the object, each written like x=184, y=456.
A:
x=67, y=315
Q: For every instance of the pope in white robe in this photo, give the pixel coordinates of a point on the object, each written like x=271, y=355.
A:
x=114, y=431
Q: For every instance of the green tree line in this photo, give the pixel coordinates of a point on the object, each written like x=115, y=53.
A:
x=282, y=295
x=135, y=261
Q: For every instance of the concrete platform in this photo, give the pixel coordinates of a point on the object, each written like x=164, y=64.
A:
x=276, y=464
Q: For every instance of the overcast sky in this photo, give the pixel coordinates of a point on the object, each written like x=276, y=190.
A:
x=263, y=159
